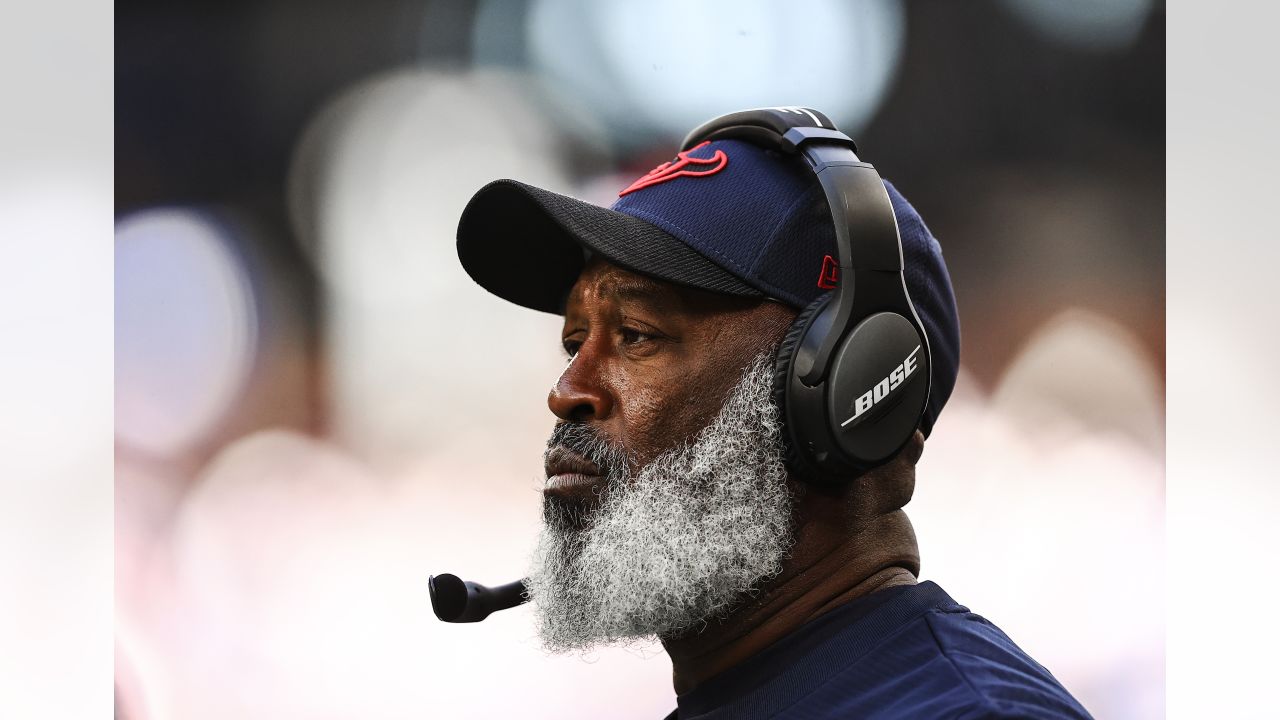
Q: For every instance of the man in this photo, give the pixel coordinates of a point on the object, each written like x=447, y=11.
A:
x=671, y=508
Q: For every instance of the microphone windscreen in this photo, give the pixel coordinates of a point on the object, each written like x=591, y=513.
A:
x=448, y=596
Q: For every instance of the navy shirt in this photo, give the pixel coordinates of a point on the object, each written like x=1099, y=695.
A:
x=906, y=652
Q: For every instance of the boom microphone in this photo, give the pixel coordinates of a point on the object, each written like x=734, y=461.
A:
x=461, y=601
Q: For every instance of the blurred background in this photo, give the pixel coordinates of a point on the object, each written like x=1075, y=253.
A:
x=316, y=408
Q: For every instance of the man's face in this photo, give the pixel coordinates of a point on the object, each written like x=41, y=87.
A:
x=666, y=497
x=650, y=362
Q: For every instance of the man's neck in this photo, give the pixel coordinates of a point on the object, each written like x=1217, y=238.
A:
x=828, y=567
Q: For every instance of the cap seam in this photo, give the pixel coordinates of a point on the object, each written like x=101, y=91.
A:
x=786, y=216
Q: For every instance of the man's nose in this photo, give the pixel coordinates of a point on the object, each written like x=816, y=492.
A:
x=579, y=395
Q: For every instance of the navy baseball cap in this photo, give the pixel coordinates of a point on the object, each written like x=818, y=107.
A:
x=726, y=216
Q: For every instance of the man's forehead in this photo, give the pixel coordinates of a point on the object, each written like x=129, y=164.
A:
x=601, y=281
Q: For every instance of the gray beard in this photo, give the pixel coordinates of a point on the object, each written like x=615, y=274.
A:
x=675, y=545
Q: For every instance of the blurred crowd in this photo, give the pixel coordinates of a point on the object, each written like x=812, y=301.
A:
x=316, y=408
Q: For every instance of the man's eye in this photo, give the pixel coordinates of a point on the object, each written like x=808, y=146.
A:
x=631, y=336
x=571, y=347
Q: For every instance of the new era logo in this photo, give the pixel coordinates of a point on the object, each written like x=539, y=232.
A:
x=830, y=274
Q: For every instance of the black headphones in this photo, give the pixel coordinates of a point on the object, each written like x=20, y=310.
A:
x=852, y=374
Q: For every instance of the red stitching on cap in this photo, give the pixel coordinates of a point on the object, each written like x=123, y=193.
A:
x=672, y=170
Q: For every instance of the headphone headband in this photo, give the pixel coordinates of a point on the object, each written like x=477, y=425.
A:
x=766, y=127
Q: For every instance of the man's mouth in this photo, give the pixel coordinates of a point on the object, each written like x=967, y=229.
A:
x=568, y=473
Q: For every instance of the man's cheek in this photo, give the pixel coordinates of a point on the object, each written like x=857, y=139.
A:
x=646, y=422
x=666, y=404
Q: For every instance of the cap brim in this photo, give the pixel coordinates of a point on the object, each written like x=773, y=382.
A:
x=525, y=244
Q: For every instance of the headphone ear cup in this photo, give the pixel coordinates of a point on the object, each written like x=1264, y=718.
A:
x=782, y=378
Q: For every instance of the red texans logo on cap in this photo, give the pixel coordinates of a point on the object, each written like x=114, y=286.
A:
x=672, y=170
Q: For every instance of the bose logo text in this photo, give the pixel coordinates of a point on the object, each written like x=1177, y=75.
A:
x=892, y=382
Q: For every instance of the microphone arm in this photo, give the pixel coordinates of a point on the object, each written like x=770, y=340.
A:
x=461, y=601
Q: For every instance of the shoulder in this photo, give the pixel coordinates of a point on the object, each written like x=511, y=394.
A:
x=997, y=679
x=913, y=653
x=945, y=662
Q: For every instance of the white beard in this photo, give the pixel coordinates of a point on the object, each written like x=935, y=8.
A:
x=675, y=545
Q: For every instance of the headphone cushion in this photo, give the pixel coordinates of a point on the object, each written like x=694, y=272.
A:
x=782, y=378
